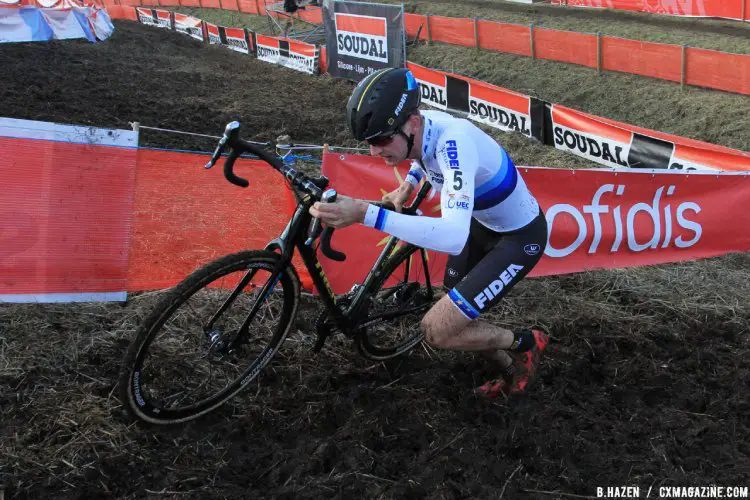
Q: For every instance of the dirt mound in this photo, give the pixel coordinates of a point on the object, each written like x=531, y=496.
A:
x=167, y=80
x=644, y=384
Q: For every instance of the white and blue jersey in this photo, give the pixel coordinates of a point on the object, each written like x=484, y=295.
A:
x=475, y=177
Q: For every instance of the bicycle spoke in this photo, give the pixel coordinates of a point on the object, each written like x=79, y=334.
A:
x=400, y=304
x=235, y=293
x=186, y=363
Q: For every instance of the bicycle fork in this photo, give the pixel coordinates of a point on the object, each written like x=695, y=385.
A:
x=214, y=335
x=278, y=245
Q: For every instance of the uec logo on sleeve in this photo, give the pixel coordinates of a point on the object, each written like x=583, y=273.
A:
x=462, y=202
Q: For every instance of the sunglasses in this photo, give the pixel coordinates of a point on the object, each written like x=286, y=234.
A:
x=381, y=140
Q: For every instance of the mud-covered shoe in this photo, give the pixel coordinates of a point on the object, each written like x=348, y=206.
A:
x=498, y=387
x=527, y=363
x=518, y=376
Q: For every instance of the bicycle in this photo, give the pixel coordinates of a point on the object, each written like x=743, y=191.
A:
x=248, y=302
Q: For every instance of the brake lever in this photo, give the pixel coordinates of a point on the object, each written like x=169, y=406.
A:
x=229, y=130
x=329, y=196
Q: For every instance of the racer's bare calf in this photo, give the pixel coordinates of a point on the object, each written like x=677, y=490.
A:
x=445, y=327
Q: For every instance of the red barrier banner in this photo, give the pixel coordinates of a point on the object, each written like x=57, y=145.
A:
x=499, y=108
x=432, y=85
x=718, y=70
x=210, y=4
x=212, y=33
x=711, y=69
x=311, y=15
x=146, y=16
x=566, y=46
x=247, y=6
x=323, y=61
x=187, y=216
x=587, y=137
x=607, y=142
x=155, y=17
x=656, y=60
x=598, y=218
x=120, y=12
x=189, y=25
x=731, y=9
x=602, y=219
x=237, y=39
x=452, y=30
x=615, y=144
x=289, y=53
x=65, y=212
x=415, y=23
x=667, y=137
x=705, y=68
x=494, y=106
x=229, y=4
x=510, y=38
x=86, y=216
x=51, y=4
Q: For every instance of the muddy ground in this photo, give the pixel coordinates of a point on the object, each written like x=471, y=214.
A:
x=644, y=384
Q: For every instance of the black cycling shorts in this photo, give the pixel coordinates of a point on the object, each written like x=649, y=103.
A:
x=492, y=263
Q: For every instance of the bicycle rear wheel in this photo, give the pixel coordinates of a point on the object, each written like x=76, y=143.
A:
x=398, y=301
x=178, y=367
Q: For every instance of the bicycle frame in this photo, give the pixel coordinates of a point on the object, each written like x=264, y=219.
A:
x=345, y=320
x=294, y=237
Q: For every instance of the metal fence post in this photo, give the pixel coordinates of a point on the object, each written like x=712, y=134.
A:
x=684, y=67
x=476, y=34
x=599, y=52
x=531, y=36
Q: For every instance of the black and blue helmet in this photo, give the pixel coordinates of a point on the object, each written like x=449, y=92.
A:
x=382, y=102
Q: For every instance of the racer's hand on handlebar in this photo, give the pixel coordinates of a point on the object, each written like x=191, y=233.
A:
x=399, y=196
x=343, y=212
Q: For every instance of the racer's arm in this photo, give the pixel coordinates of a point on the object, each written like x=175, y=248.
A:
x=458, y=161
x=401, y=194
x=415, y=175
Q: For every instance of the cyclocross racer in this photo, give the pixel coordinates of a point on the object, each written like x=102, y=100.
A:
x=490, y=224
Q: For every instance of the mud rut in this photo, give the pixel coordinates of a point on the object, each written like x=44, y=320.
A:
x=645, y=382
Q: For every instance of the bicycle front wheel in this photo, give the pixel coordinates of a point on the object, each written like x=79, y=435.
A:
x=399, y=299
x=179, y=366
